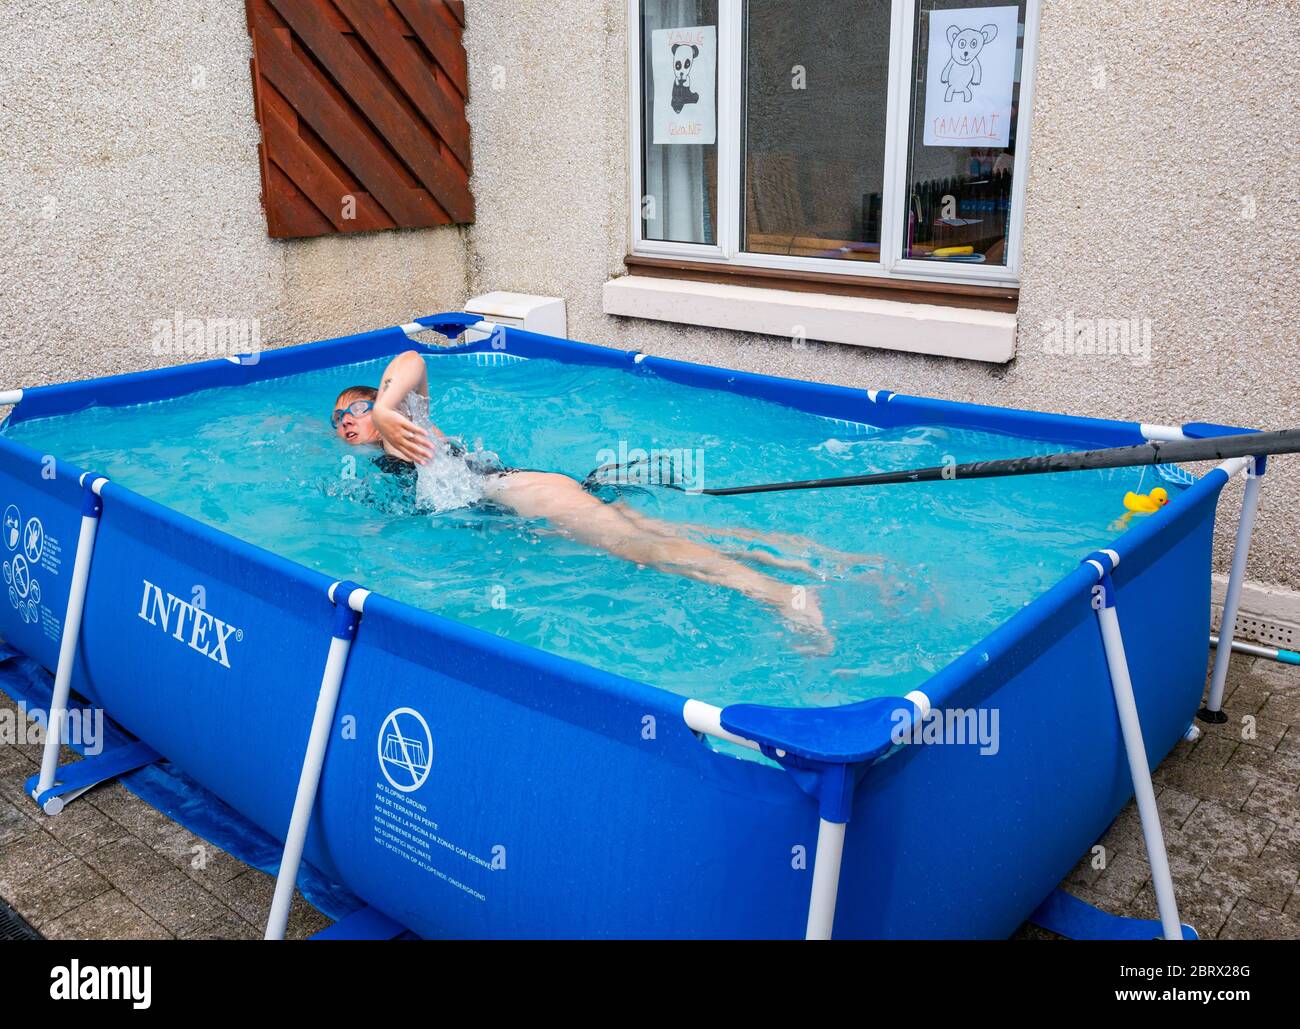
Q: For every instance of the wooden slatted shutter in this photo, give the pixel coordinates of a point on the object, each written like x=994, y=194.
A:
x=362, y=110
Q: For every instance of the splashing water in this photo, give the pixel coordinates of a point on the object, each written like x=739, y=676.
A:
x=446, y=482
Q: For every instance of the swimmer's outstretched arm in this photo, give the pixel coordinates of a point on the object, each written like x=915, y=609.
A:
x=405, y=374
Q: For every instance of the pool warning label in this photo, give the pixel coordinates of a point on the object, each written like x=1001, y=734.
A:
x=30, y=554
x=403, y=825
x=405, y=750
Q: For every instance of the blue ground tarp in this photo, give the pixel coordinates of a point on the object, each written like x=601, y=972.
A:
x=175, y=794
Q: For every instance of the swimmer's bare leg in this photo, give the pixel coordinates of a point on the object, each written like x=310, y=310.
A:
x=564, y=504
x=786, y=540
x=678, y=529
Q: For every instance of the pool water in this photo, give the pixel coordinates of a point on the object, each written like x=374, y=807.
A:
x=922, y=574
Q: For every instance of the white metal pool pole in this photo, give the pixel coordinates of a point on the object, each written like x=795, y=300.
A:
x=826, y=880
x=91, y=509
x=707, y=719
x=11, y=397
x=336, y=662
x=1131, y=729
x=1255, y=467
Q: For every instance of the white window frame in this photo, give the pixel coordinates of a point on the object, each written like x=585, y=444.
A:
x=897, y=125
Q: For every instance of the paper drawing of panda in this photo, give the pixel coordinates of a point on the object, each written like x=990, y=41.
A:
x=682, y=64
x=963, y=68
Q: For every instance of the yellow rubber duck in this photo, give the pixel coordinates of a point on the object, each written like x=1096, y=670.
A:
x=1148, y=503
x=1141, y=504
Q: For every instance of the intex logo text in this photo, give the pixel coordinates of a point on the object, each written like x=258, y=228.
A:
x=206, y=634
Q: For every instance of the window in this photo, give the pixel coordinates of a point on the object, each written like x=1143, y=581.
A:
x=871, y=138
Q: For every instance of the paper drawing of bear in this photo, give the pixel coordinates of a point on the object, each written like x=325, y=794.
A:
x=682, y=64
x=963, y=68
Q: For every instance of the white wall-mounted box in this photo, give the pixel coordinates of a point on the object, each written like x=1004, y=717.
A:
x=545, y=315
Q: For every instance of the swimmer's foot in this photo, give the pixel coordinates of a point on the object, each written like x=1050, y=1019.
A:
x=802, y=609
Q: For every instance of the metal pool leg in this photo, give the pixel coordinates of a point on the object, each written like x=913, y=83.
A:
x=1213, y=710
x=826, y=880
x=832, y=785
x=349, y=599
x=1126, y=706
x=91, y=508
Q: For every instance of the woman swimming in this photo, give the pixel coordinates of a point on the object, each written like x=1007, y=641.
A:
x=370, y=417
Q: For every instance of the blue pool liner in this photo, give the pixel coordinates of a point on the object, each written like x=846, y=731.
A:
x=165, y=787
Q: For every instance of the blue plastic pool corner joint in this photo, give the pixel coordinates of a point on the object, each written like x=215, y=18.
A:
x=346, y=618
x=92, y=505
x=826, y=751
x=452, y=325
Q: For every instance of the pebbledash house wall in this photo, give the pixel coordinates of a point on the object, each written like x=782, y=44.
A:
x=1159, y=157
x=1157, y=190
x=130, y=194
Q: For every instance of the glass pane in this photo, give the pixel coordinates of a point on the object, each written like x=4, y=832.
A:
x=816, y=91
x=679, y=92
x=965, y=108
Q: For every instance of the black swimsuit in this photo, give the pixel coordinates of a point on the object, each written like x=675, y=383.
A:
x=391, y=465
x=488, y=468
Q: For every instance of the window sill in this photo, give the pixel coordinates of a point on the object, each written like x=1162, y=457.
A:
x=944, y=331
x=978, y=296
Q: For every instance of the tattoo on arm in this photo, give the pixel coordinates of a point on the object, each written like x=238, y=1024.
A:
x=387, y=382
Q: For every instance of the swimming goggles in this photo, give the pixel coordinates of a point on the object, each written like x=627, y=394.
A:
x=356, y=409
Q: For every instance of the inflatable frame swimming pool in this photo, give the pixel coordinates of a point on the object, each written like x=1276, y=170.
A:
x=467, y=786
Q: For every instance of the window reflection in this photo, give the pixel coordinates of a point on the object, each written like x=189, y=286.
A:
x=816, y=89
x=679, y=179
x=959, y=196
